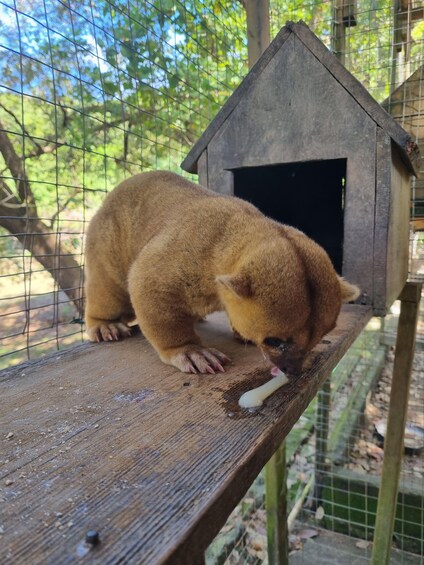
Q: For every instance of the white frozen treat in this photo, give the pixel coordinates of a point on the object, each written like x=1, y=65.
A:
x=255, y=397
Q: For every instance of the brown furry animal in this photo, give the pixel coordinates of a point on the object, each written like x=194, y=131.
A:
x=166, y=252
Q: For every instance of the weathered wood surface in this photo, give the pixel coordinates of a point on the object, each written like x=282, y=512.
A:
x=398, y=235
x=190, y=162
x=276, y=508
x=106, y=437
x=272, y=124
x=398, y=408
x=406, y=106
x=382, y=219
x=202, y=168
x=407, y=146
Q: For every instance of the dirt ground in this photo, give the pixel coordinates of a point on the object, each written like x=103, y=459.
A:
x=368, y=450
x=36, y=318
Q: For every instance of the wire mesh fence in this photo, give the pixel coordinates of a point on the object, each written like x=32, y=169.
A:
x=91, y=93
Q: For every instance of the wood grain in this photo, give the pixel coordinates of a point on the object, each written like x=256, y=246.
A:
x=272, y=124
x=276, y=508
x=398, y=408
x=382, y=220
x=106, y=437
x=398, y=234
x=202, y=168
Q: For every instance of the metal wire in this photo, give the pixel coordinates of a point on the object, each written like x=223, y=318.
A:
x=91, y=93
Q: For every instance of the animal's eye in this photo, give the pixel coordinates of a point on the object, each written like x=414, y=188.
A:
x=278, y=343
x=273, y=342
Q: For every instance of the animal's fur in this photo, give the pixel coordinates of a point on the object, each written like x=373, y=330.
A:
x=167, y=252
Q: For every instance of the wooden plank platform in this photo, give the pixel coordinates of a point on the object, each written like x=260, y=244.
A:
x=106, y=437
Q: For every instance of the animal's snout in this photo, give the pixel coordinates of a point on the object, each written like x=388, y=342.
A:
x=290, y=364
x=290, y=368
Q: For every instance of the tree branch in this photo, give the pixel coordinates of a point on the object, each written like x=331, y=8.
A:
x=64, y=206
x=21, y=126
x=39, y=149
x=8, y=200
x=47, y=149
x=14, y=164
x=107, y=125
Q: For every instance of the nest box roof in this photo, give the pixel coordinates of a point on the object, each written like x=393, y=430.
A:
x=406, y=104
x=407, y=147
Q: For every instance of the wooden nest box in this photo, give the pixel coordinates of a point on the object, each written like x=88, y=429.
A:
x=305, y=142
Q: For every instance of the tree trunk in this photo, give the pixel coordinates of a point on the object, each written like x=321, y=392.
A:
x=45, y=246
x=19, y=216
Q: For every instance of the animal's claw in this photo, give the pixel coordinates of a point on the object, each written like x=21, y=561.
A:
x=108, y=331
x=200, y=360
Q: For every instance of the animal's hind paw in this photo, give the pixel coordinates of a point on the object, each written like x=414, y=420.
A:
x=108, y=331
x=196, y=359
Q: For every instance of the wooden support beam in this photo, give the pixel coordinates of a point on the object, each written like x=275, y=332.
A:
x=393, y=445
x=258, y=33
x=322, y=432
x=276, y=507
x=338, y=31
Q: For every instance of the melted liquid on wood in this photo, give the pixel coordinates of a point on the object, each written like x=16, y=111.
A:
x=231, y=396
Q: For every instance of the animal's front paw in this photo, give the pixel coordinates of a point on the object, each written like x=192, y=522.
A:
x=197, y=359
x=108, y=331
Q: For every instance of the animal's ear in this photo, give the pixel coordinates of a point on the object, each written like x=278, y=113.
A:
x=238, y=284
x=349, y=291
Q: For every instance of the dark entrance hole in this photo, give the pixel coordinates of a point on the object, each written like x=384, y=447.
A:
x=308, y=196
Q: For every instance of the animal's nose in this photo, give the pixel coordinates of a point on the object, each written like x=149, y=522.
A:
x=291, y=367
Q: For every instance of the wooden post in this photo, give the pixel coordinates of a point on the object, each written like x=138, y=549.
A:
x=276, y=507
x=393, y=443
x=322, y=431
x=338, y=31
x=258, y=34
x=258, y=39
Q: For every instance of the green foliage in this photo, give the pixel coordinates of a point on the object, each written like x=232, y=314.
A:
x=101, y=92
x=315, y=13
x=368, y=44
